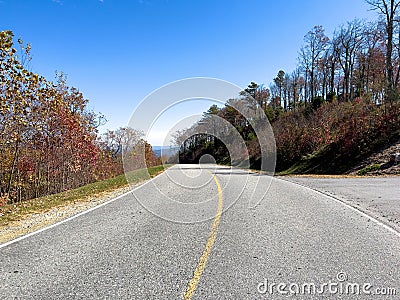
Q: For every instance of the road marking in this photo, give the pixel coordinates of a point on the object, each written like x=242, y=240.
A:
x=192, y=285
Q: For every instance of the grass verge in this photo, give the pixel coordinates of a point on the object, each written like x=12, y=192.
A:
x=17, y=211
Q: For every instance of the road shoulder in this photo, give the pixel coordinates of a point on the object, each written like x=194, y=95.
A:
x=35, y=221
x=377, y=197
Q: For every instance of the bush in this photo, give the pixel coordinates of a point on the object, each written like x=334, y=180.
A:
x=368, y=169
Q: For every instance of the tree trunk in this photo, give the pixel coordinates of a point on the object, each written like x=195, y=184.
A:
x=12, y=169
x=389, y=52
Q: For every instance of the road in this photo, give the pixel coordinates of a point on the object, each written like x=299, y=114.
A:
x=194, y=232
x=376, y=196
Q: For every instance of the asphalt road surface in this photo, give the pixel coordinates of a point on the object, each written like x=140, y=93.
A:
x=208, y=232
x=376, y=196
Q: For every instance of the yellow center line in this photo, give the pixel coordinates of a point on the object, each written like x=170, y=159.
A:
x=192, y=285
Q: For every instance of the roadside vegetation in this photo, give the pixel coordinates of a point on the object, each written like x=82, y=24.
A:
x=17, y=211
x=49, y=138
x=339, y=105
x=369, y=168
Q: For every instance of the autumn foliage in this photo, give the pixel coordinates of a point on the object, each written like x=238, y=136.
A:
x=48, y=138
x=348, y=130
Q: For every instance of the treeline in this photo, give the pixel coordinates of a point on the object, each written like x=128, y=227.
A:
x=350, y=64
x=48, y=138
x=340, y=103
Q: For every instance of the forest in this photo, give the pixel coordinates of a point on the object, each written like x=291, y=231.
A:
x=337, y=106
x=49, y=138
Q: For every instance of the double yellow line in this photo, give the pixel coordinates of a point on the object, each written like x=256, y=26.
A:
x=192, y=285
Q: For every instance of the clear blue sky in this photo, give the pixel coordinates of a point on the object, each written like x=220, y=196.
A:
x=116, y=52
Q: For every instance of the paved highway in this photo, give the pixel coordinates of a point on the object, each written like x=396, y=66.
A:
x=194, y=232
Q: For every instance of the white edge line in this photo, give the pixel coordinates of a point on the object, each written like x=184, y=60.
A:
x=77, y=215
x=376, y=221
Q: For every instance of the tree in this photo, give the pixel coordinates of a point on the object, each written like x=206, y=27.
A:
x=369, y=76
x=296, y=83
x=347, y=42
x=316, y=43
x=213, y=110
x=251, y=89
x=388, y=9
x=279, y=81
x=262, y=96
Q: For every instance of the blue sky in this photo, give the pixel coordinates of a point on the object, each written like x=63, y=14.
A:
x=117, y=52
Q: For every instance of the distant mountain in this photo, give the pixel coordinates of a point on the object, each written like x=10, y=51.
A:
x=165, y=150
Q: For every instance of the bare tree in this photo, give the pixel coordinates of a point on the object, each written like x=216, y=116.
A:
x=316, y=43
x=348, y=41
x=388, y=9
x=305, y=63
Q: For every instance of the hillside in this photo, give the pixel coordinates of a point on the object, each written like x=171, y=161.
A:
x=382, y=162
x=329, y=160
